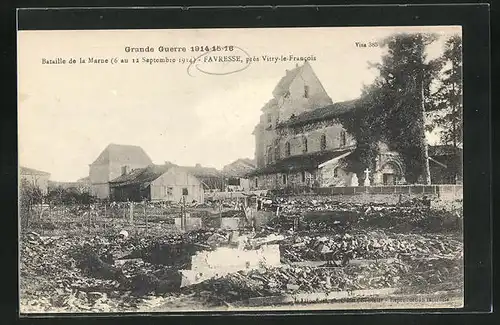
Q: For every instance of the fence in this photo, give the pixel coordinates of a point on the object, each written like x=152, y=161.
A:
x=100, y=217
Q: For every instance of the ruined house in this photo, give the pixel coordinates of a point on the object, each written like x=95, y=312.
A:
x=300, y=140
x=115, y=160
x=34, y=177
x=167, y=183
x=235, y=174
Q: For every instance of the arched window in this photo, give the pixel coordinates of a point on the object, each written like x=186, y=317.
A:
x=306, y=91
x=269, y=156
x=277, y=149
x=342, y=138
x=303, y=174
x=256, y=182
x=304, y=144
x=336, y=172
x=323, y=142
x=287, y=149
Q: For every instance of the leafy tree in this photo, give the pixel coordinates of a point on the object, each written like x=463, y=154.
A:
x=392, y=108
x=29, y=196
x=448, y=98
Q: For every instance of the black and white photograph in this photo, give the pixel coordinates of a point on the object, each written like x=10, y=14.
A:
x=245, y=169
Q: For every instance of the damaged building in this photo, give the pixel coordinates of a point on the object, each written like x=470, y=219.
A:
x=235, y=174
x=168, y=183
x=115, y=160
x=301, y=142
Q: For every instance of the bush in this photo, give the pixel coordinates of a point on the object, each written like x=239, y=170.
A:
x=61, y=196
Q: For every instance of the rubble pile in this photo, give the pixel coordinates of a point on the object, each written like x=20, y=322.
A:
x=324, y=246
x=328, y=215
x=290, y=279
x=51, y=280
x=375, y=244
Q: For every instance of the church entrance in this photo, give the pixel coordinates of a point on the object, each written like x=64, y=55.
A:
x=390, y=174
x=389, y=179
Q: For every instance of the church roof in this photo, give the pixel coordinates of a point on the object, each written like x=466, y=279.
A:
x=284, y=84
x=299, y=163
x=320, y=114
x=120, y=153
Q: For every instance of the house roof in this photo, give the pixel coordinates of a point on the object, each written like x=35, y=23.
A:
x=141, y=175
x=298, y=163
x=146, y=175
x=31, y=171
x=320, y=114
x=84, y=179
x=239, y=167
x=444, y=150
x=120, y=153
x=202, y=172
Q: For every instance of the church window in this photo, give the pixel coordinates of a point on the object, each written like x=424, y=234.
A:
x=342, y=138
x=303, y=176
x=277, y=151
x=336, y=172
x=304, y=144
x=284, y=179
x=269, y=156
x=287, y=148
x=323, y=142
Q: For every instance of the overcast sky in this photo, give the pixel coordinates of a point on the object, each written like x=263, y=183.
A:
x=69, y=113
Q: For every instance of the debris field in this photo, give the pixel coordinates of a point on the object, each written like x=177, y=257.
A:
x=325, y=246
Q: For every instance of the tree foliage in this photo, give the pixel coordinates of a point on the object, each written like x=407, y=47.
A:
x=390, y=110
x=29, y=195
x=447, y=100
x=72, y=195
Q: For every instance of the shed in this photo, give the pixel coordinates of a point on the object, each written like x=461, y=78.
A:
x=157, y=183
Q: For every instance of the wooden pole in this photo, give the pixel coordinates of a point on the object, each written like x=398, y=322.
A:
x=131, y=213
x=146, y=216
x=220, y=212
x=183, y=217
x=105, y=212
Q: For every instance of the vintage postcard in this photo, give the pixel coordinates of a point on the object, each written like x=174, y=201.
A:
x=240, y=169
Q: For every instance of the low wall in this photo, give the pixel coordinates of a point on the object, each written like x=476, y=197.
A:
x=444, y=192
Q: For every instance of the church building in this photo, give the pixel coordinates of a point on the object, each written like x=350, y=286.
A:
x=300, y=141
